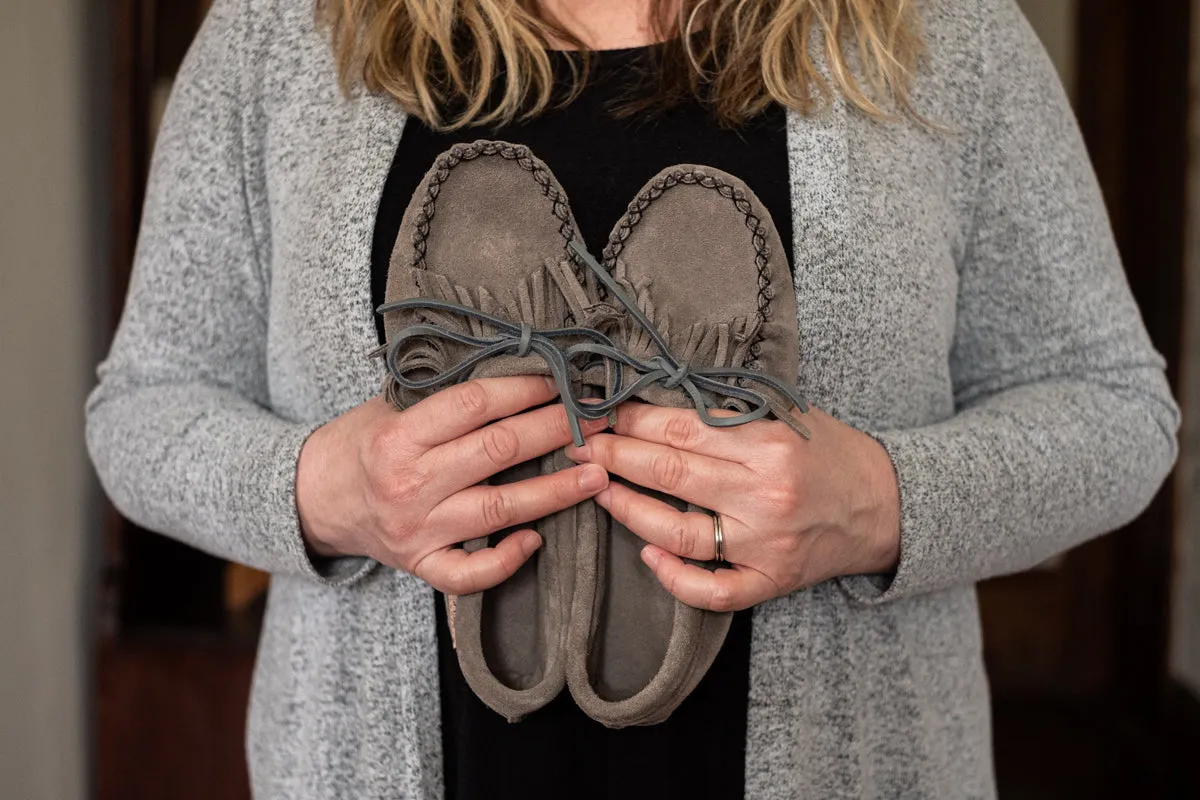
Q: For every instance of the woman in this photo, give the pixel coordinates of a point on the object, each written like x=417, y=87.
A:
x=984, y=391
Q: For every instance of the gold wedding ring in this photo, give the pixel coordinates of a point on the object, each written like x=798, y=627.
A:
x=718, y=538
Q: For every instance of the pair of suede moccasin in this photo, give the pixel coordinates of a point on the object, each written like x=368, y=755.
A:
x=692, y=306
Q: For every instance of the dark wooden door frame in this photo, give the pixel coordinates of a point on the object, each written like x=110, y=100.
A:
x=1133, y=105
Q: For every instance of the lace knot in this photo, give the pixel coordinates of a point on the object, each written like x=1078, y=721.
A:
x=678, y=373
x=729, y=383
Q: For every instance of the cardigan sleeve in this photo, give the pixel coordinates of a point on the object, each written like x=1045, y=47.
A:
x=180, y=427
x=1064, y=427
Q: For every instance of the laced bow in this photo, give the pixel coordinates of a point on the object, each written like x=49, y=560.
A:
x=594, y=349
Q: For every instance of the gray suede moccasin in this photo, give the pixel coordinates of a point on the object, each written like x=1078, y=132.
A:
x=480, y=258
x=711, y=312
x=693, y=306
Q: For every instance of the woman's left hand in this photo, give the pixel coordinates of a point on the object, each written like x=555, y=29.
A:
x=794, y=512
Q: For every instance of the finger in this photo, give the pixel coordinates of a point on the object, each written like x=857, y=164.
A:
x=688, y=534
x=480, y=454
x=455, y=571
x=684, y=430
x=479, y=510
x=720, y=590
x=457, y=410
x=689, y=476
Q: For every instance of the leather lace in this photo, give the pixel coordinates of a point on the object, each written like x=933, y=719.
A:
x=591, y=349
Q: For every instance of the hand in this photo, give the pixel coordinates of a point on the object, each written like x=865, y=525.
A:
x=794, y=512
x=402, y=487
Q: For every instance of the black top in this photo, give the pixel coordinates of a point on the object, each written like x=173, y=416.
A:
x=558, y=752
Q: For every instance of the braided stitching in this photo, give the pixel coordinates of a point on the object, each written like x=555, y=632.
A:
x=468, y=152
x=758, y=235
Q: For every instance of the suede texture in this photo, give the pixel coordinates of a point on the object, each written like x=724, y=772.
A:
x=699, y=254
x=478, y=232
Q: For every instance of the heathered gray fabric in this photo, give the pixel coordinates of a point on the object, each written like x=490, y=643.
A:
x=959, y=297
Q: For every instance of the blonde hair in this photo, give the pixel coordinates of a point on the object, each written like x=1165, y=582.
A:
x=456, y=63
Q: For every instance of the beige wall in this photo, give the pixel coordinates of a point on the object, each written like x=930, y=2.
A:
x=1185, y=639
x=47, y=256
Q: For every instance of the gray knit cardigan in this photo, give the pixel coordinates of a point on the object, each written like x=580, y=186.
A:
x=960, y=298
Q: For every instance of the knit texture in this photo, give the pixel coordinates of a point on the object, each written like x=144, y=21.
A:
x=959, y=297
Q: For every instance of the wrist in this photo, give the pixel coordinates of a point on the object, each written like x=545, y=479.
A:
x=882, y=532
x=316, y=547
x=308, y=476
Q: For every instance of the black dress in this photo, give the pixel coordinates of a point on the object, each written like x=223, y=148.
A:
x=558, y=752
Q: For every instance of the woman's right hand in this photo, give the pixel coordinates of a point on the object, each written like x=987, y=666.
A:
x=403, y=487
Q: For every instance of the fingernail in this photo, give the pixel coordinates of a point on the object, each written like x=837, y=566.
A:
x=651, y=556
x=592, y=478
x=530, y=543
x=551, y=385
x=602, y=498
x=579, y=453
x=595, y=424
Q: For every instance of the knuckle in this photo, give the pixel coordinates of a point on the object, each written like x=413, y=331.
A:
x=457, y=577
x=669, y=470
x=780, y=433
x=684, y=539
x=401, y=488
x=413, y=563
x=560, y=425
x=383, y=443
x=598, y=444
x=499, y=511
x=789, y=548
x=399, y=540
x=681, y=432
x=722, y=598
x=566, y=489
x=456, y=582
x=509, y=561
x=780, y=447
x=670, y=582
x=396, y=536
x=500, y=444
x=622, y=505
x=472, y=400
x=782, y=497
